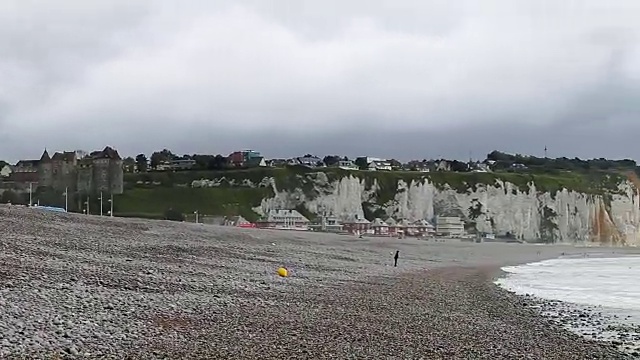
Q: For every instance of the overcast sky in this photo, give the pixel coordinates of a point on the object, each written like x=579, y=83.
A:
x=404, y=79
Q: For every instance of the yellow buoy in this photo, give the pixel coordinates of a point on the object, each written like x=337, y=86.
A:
x=283, y=272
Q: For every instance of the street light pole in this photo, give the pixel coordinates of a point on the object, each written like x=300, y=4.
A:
x=100, y=203
x=111, y=207
x=66, y=199
x=30, y=194
x=196, y=212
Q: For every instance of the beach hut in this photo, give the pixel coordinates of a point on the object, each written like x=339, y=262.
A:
x=406, y=228
x=392, y=226
x=380, y=227
x=357, y=226
x=424, y=228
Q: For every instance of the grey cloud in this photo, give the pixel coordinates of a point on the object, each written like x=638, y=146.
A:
x=406, y=78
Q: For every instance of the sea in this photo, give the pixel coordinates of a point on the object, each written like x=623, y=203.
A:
x=608, y=287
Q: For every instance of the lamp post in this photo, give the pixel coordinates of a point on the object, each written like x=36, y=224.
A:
x=66, y=199
x=100, y=203
x=30, y=194
x=111, y=205
x=87, y=203
x=196, y=213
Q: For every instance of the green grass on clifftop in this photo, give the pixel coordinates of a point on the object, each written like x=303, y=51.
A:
x=285, y=177
x=153, y=202
x=155, y=192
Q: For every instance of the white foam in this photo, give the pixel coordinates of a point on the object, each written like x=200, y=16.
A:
x=608, y=282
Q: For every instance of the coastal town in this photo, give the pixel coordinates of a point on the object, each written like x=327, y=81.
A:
x=165, y=160
x=102, y=172
x=292, y=219
x=80, y=176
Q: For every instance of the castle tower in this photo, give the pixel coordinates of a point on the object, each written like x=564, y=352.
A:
x=101, y=171
x=45, y=169
x=45, y=155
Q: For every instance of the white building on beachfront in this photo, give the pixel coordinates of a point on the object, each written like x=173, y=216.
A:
x=450, y=226
x=285, y=220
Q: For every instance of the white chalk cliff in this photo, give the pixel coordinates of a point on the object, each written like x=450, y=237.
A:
x=565, y=216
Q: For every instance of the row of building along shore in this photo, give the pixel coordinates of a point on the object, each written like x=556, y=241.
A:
x=449, y=226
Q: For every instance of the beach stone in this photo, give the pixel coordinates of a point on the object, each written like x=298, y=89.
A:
x=125, y=288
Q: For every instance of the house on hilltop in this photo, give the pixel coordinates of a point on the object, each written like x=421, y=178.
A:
x=308, y=161
x=5, y=171
x=246, y=158
x=182, y=164
x=374, y=163
x=276, y=162
x=347, y=165
x=380, y=165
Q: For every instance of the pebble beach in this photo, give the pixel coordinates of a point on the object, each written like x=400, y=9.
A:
x=77, y=286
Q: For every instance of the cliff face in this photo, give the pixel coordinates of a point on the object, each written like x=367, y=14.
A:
x=605, y=217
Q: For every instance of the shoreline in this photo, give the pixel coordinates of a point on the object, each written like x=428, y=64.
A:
x=607, y=325
x=96, y=287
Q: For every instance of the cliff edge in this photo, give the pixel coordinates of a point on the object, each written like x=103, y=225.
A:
x=563, y=207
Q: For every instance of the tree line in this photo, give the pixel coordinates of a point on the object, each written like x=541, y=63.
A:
x=505, y=161
x=499, y=161
x=202, y=161
x=212, y=162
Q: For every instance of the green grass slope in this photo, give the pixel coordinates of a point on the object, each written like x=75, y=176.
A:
x=153, y=202
x=151, y=194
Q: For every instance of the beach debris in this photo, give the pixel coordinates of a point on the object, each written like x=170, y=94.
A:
x=283, y=272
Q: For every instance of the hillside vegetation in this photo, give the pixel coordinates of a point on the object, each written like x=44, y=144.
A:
x=151, y=194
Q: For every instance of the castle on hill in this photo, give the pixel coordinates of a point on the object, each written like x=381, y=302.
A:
x=76, y=171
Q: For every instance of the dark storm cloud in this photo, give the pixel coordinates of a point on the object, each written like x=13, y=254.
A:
x=407, y=79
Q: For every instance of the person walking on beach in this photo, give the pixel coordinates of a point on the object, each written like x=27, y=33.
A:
x=395, y=258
